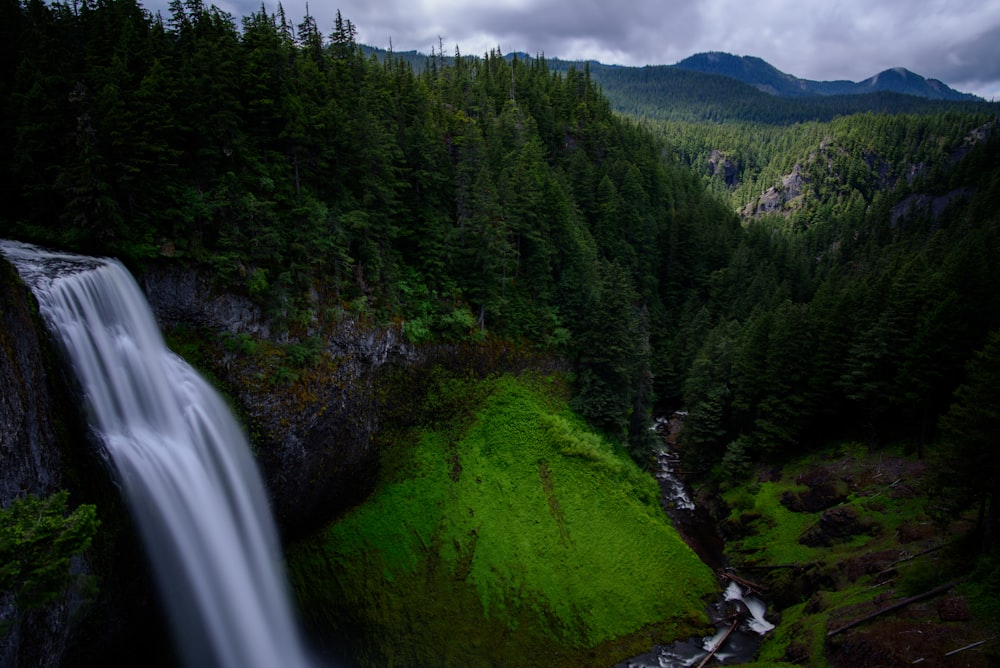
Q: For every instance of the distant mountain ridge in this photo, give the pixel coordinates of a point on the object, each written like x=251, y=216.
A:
x=765, y=77
x=734, y=89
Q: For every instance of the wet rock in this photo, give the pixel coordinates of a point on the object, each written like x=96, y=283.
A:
x=29, y=457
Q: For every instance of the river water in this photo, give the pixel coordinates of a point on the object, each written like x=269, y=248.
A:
x=730, y=645
x=182, y=461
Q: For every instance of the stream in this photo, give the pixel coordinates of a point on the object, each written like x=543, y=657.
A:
x=738, y=615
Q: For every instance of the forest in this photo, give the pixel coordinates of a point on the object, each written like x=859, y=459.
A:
x=787, y=276
x=498, y=197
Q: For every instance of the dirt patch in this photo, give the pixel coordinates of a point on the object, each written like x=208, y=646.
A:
x=903, y=641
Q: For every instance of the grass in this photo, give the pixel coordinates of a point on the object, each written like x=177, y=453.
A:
x=514, y=538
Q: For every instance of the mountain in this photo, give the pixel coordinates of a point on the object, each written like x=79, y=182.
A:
x=669, y=92
x=902, y=80
x=767, y=78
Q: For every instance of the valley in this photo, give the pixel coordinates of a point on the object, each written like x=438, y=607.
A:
x=445, y=298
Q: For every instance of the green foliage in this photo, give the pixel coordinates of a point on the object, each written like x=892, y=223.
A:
x=518, y=526
x=967, y=458
x=467, y=198
x=38, y=540
x=472, y=198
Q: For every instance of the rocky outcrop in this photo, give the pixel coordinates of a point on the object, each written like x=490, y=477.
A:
x=183, y=295
x=779, y=199
x=835, y=525
x=719, y=163
x=308, y=401
x=313, y=424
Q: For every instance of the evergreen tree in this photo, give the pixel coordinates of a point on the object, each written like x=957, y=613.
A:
x=970, y=450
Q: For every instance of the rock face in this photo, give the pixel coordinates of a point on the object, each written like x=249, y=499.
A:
x=31, y=463
x=311, y=424
x=718, y=162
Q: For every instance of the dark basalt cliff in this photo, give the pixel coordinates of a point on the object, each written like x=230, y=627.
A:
x=312, y=431
x=31, y=462
x=30, y=458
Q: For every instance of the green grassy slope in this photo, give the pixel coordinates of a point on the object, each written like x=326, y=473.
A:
x=516, y=538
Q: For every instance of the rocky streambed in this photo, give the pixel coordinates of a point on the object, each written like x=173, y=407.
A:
x=739, y=615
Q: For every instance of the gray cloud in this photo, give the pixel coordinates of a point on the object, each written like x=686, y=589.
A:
x=952, y=40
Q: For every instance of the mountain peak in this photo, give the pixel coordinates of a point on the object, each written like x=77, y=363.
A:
x=764, y=76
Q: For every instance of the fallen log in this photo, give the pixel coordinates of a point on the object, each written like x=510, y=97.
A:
x=752, y=586
x=773, y=567
x=969, y=646
x=911, y=558
x=718, y=645
x=898, y=605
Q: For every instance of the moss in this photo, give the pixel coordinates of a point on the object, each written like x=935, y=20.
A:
x=516, y=537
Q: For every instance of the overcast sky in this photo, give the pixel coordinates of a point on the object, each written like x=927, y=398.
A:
x=956, y=41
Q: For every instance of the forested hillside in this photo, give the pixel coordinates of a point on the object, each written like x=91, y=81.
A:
x=671, y=93
x=861, y=285
x=480, y=197
x=492, y=196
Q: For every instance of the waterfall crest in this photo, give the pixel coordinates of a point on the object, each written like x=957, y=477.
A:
x=182, y=461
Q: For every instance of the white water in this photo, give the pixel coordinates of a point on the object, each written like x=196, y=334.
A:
x=739, y=647
x=756, y=621
x=672, y=487
x=183, y=463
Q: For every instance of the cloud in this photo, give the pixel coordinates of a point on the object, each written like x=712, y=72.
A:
x=975, y=64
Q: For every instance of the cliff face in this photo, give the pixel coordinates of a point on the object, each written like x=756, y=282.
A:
x=311, y=421
x=30, y=461
x=42, y=451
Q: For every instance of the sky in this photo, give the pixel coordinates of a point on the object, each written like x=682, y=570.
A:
x=956, y=41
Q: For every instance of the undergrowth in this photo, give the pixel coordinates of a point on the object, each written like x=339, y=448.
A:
x=896, y=552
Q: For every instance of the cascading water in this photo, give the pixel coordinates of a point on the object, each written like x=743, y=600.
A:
x=738, y=615
x=182, y=460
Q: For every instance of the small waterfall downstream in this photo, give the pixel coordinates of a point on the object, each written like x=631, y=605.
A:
x=738, y=615
x=182, y=461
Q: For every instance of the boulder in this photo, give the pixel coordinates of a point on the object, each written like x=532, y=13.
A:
x=836, y=525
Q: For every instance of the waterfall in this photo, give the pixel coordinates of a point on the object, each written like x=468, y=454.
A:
x=182, y=461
